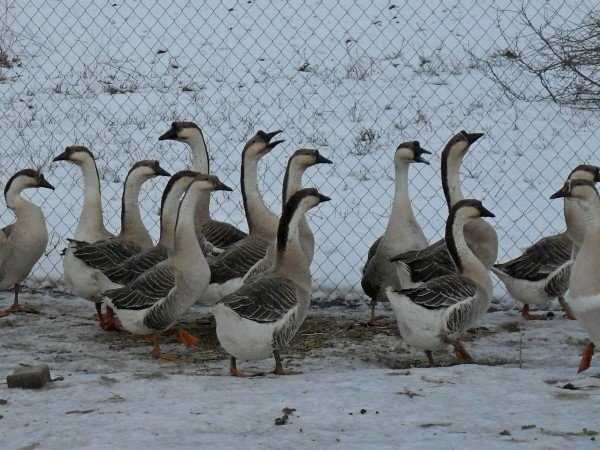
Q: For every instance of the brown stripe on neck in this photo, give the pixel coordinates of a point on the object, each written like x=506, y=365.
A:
x=450, y=242
x=169, y=187
x=290, y=208
x=25, y=172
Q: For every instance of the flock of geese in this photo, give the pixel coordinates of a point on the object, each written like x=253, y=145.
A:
x=258, y=284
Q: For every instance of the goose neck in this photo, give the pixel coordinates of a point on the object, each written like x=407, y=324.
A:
x=200, y=160
x=186, y=250
x=91, y=219
x=290, y=259
x=402, y=212
x=465, y=260
x=260, y=219
x=451, y=164
x=132, y=225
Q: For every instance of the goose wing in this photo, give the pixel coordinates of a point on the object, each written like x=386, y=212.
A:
x=145, y=290
x=221, y=234
x=237, y=260
x=442, y=292
x=102, y=254
x=372, y=250
x=540, y=260
x=558, y=284
x=5, y=246
x=264, y=300
x=429, y=263
x=136, y=265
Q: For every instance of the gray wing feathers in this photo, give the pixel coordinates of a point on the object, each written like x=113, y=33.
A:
x=237, y=260
x=265, y=300
x=540, y=260
x=442, y=292
x=221, y=234
x=102, y=254
x=558, y=284
x=460, y=317
x=430, y=263
x=136, y=265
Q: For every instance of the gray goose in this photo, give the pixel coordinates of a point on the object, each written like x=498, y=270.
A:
x=23, y=242
x=262, y=316
x=419, y=266
x=542, y=271
x=220, y=234
x=584, y=284
x=402, y=233
x=189, y=267
x=436, y=314
x=297, y=164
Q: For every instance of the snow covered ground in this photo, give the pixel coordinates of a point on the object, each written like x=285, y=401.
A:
x=359, y=389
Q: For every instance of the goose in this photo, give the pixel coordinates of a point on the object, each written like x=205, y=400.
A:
x=81, y=279
x=23, y=242
x=436, y=313
x=542, y=271
x=263, y=315
x=418, y=266
x=134, y=236
x=157, y=282
x=219, y=234
x=126, y=271
x=297, y=164
x=584, y=284
x=187, y=263
x=402, y=233
x=229, y=268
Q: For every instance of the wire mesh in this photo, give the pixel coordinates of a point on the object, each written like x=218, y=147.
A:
x=352, y=79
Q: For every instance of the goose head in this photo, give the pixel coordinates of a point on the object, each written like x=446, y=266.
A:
x=585, y=172
x=76, y=154
x=184, y=132
x=208, y=183
x=307, y=157
x=459, y=144
x=261, y=144
x=583, y=190
x=410, y=152
x=147, y=169
x=470, y=209
x=26, y=179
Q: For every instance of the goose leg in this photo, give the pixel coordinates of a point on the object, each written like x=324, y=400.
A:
x=374, y=321
x=429, y=355
x=15, y=306
x=110, y=322
x=156, y=348
x=461, y=352
x=586, y=358
x=527, y=316
x=233, y=368
x=566, y=308
x=279, y=370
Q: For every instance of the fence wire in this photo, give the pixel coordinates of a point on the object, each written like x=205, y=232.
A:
x=351, y=78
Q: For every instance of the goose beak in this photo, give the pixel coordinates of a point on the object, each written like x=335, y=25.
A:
x=170, y=135
x=162, y=172
x=220, y=186
x=272, y=145
x=322, y=160
x=323, y=198
x=269, y=136
x=64, y=156
x=484, y=212
x=563, y=192
x=43, y=183
x=420, y=159
x=472, y=137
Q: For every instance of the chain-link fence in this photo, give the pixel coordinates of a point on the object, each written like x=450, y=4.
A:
x=351, y=78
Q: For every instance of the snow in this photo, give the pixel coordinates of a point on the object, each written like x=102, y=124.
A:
x=353, y=80
x=114, y=395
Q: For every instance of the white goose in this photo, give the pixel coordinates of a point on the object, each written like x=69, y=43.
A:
x=402, y=233
x=261, y=318
x=419, y=266
x=435, y=314
x=297, y=164
x=542, y=272
x=188, y=265
x=81, y=279
x=23, y=242
x=584, y=284
x=219, y=234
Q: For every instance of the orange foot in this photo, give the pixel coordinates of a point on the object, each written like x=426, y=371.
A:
x=586, y=358
x=461, y=352
x=13, y=309
x=527, y=316
x=186, y=338
x=110, y=322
